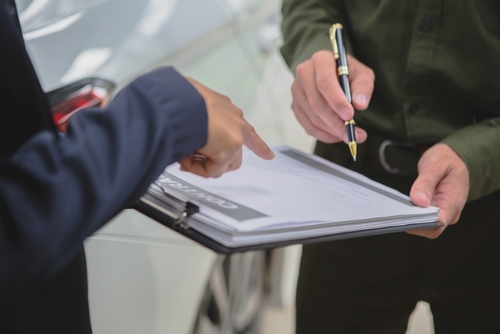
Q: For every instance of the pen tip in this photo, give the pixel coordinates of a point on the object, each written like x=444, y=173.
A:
x=353, y=147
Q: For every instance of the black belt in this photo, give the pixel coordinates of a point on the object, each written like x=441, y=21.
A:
x=378, y=154
x=396, y=157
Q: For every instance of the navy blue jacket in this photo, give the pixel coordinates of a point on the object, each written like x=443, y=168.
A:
x=56, y=190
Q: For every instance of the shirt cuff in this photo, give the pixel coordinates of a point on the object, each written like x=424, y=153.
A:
x=478, y=147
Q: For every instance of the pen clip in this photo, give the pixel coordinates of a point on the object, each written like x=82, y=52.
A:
x=333, y=38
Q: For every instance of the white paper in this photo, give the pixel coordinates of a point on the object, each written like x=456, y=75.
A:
x=294, y=195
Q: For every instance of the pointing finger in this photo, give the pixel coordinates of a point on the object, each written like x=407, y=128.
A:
x=253, y=142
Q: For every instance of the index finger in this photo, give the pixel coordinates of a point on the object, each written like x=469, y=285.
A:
x=255, y=144
x=325, y=70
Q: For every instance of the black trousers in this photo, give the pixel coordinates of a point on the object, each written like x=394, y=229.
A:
x=372, y=284
x=58, y=307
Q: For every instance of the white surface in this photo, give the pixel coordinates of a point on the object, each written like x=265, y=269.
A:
x=144, y=285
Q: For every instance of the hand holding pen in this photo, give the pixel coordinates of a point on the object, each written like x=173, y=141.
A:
x=320, y=104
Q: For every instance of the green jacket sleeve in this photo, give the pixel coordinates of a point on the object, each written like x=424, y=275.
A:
x=305, y=28
x=478, y=146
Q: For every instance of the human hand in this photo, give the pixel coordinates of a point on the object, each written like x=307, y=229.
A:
x=319, y=103
x=443, y=181
x=228, y=131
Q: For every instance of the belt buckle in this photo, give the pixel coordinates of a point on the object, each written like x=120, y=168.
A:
x=381, y=155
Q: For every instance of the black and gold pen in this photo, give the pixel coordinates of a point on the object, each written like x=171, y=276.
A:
x=339, y=51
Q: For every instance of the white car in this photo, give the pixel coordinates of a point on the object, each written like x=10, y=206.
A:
x=143, y=277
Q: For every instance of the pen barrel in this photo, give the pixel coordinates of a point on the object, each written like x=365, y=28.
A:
x=342, y=67
x=344, y=84
x=340, y=53
x=351, y=135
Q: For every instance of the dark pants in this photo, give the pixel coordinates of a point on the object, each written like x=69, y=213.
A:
x=372, y=284
x=58, y=307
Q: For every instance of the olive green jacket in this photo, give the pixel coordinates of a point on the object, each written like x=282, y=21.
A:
x=437, y=68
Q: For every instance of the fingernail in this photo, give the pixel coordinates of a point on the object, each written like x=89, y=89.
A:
x=361, y=99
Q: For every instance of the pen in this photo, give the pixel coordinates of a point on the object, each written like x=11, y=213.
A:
x=339, y=51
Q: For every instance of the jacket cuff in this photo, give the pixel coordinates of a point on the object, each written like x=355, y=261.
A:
x=188, y=127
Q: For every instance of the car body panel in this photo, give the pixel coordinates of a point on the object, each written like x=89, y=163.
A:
x=142, y=284
x=115, y=39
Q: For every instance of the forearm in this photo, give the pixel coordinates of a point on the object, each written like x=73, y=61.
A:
x=305, y=28
x=56, y=191
x=478, y=146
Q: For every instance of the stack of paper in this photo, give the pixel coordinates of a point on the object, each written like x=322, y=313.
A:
x=294, y=197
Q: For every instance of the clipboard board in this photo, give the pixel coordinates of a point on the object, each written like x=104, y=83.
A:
x=296, y=198
x=176, y=219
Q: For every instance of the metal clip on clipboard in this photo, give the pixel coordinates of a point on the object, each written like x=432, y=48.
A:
x=189, y=209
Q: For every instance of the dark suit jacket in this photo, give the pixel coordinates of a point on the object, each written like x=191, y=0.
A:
x=56, y=190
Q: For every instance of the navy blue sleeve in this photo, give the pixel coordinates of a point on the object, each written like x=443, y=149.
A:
x=57, y=190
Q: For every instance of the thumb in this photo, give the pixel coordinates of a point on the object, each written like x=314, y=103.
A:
x=362, y=83
x=423, y=188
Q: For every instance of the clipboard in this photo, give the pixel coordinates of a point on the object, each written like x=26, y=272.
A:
x=177, y=218
x=296, y=198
